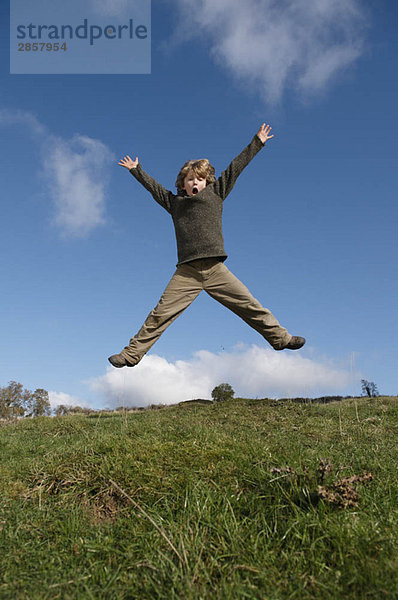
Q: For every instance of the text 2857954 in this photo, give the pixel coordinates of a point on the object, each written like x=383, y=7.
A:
x=41, y=47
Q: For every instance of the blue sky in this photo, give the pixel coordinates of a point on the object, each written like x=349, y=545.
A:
x=310, y=227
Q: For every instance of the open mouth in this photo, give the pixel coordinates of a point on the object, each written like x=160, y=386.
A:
x=195, y=190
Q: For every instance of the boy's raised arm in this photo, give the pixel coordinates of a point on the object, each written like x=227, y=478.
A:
x=227, y=179
x=158, y=192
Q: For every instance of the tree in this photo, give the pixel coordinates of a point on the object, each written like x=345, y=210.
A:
x=13, y=400
x=17, y=402
x=40, y=403
x=222, y=392
x=369, y=388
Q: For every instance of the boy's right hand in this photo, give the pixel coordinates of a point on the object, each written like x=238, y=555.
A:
x=128, y=163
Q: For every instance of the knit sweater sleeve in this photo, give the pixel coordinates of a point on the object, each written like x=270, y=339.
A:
x=158, y=192
x=227, y=179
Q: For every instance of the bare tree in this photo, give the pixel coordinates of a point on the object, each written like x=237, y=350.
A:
x=369, y=388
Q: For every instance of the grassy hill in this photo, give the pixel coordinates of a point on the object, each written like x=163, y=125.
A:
x=243, y=499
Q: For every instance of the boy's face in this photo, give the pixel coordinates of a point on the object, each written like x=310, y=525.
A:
x=193, y=183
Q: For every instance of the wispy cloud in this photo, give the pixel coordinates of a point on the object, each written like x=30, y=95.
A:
x=272, y=45
x=77, y=175
x=21, y=117
x=252, y=371
x=76, y=172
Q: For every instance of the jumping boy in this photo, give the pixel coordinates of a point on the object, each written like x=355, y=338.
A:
x=196, y=211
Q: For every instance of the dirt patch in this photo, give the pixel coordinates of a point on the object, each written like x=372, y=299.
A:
x=344, y=493
x=316, y=485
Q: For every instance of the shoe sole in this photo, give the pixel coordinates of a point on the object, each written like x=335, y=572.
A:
x=119, y=366
x=297, y=346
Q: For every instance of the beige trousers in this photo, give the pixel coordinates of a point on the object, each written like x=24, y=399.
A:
x=211, y=275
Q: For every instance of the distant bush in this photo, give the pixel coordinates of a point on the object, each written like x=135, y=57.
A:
x=222, y=392
x=196, y=401
x=320, y=400
x=62, y=410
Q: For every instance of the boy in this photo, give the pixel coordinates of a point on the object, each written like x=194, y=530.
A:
x=196, y=211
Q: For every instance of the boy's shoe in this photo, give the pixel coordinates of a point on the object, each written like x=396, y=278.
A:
x=118, y=360
x=295, y=343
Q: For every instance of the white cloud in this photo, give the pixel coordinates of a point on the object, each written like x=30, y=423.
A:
x=252, y=371
x=271, y=45
x=58, y=398
x=76, y=172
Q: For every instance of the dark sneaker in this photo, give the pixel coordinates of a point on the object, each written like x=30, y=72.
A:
x=118, y=360
x=295, y=343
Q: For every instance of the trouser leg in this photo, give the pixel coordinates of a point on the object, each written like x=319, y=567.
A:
x=180, y=292
x=223, y=286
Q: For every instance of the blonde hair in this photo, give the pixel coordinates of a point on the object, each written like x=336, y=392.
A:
x=201, y=167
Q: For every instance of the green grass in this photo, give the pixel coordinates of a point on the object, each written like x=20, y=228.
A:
x=202, y=501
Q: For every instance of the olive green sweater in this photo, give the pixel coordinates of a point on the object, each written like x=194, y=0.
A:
x=198, y=219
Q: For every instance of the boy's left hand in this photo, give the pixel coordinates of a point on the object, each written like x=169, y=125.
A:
x=263, y=133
